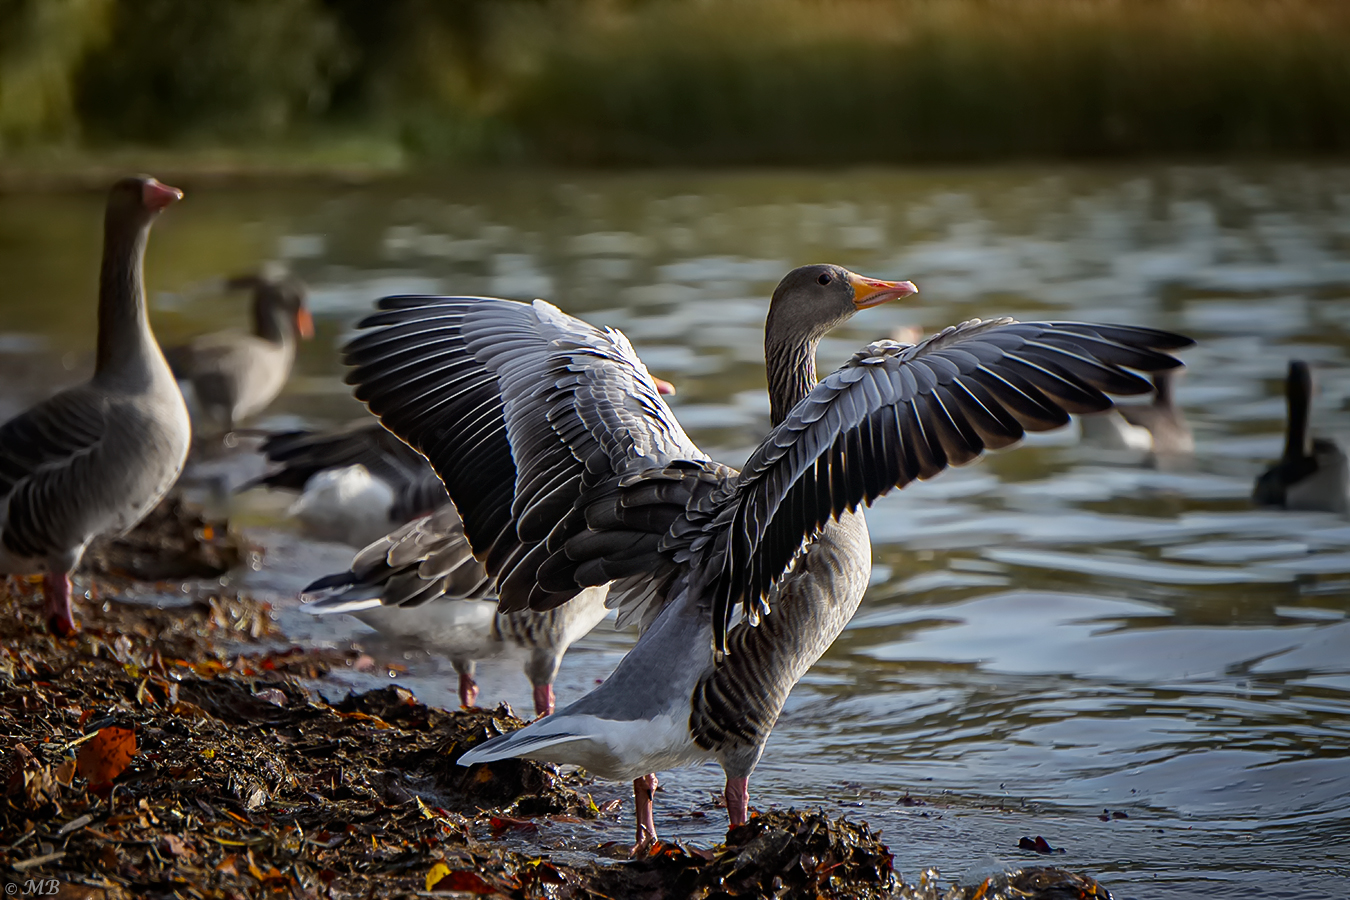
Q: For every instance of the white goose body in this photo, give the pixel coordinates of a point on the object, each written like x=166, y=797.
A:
x=346, y=505
x=356, y=483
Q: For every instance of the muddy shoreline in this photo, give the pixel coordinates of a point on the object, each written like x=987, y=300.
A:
x=180, y=751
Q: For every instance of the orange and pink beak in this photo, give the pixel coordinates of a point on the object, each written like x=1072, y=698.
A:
x=156, y=195
x=304, y=323
x=870, y=292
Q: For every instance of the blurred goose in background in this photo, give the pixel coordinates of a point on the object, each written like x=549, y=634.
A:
x=570, y=471
x=356, y=482
x=1313, y=473
x=95, y=458
x=229, y=376
x=1159, y=427
x=422, y=583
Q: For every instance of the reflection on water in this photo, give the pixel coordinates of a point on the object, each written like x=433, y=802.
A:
x=1056, y=631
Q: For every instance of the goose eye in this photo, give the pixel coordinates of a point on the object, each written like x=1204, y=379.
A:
x=825, y=278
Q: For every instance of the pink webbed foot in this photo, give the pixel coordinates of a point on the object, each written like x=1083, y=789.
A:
x=59, y=611
x=643, y=789
x=468, y=690
x=544, y=702
x=738, y=800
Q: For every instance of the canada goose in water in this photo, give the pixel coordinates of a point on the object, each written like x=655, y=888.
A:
x=1313, y=473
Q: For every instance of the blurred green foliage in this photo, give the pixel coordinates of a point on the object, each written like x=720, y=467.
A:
x=43, y=43
x=682, y=81
x=214, y=69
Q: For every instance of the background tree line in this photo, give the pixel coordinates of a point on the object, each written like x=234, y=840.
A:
x=682, y=81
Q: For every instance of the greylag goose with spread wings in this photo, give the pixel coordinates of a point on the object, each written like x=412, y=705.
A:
x=95, y=458
x=570, y=471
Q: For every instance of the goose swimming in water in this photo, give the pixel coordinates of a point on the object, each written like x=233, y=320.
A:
x=95, y=458
x=1313, y=473
x=570, y=471
x=228, y=376
x=1159, y=427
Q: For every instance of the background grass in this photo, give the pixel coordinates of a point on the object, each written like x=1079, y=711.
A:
x=597, y=82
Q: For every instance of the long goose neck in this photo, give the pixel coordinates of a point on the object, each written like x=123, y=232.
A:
x=270, y=321
x=790, y=362
x=1164, y=389
x=1298, y=394
x=126, y=346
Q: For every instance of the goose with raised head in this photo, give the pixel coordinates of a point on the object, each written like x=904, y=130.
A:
x=421, y=583
x=1313, y=473
x=570, y=471
x=95, y=458
x=228, y=377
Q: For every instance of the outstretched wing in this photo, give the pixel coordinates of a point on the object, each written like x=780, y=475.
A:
x=423, y=560
x=897, y=412
x=520, y=408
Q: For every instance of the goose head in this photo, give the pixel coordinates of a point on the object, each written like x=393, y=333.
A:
x=135, y=201
x=812, y=300
x=279, y=299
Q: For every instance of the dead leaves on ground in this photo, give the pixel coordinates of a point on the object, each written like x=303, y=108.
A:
x=154, y=756
x=105, y=756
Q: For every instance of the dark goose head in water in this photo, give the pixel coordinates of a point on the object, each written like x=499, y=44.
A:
x=1312, y=474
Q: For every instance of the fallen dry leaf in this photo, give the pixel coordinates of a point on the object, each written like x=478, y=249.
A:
x=438, y=871
x=106, y=755
x=464, y=882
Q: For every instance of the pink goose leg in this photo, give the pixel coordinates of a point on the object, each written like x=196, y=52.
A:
x=543, y=700
x=738, y=800
x=468, y=689
x=643, y=788
x=60, y=612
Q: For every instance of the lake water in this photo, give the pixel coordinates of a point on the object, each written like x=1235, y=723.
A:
x=1053, y=632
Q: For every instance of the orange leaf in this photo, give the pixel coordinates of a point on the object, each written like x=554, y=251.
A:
x=376, y=721
x=104, y=756
x=467, y=882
